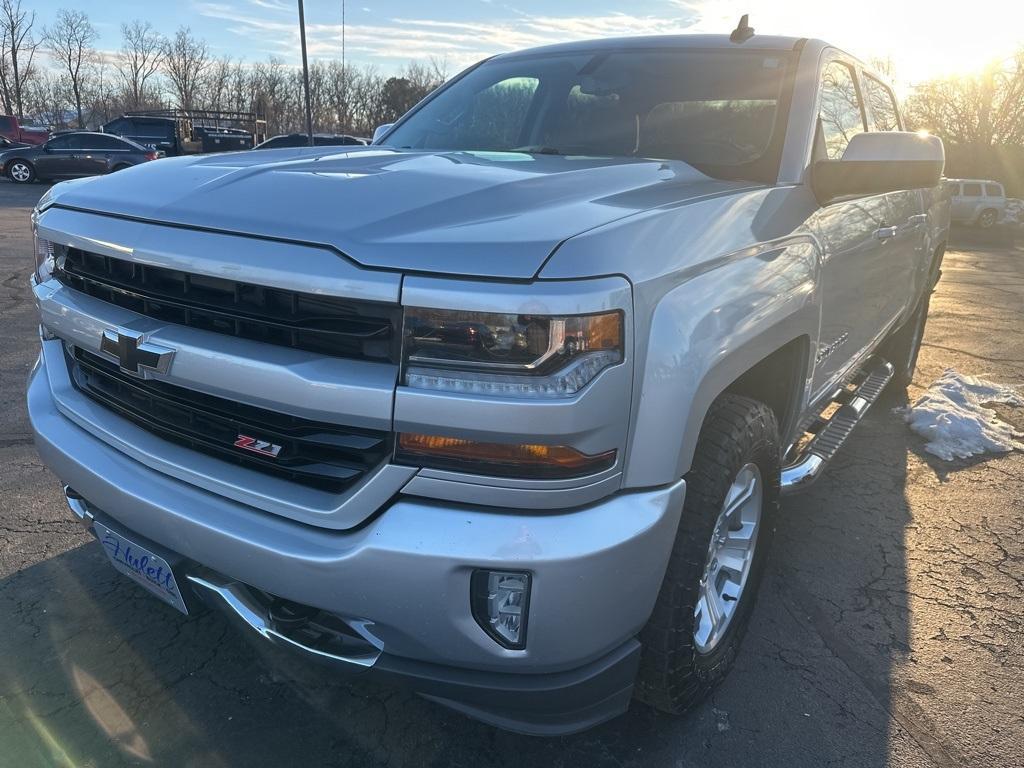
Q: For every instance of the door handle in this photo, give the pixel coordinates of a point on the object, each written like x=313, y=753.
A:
x=917, y=219
x=884, y=233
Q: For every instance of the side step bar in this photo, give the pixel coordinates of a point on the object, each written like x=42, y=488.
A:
x=823, y=447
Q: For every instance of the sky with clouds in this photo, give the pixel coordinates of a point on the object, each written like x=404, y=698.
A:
x=922, y=39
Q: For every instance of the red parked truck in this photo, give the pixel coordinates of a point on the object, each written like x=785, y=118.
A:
x=11, y=128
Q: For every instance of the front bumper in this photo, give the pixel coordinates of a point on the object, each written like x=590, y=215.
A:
x=404, y=576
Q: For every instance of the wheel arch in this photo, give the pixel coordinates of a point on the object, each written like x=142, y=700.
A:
x=663, y=440
x=13, y=160
x=779, y=381
x=743, y=374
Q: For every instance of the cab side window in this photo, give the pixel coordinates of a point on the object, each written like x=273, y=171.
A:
x=841, y=117
x=884, y=115
x=993, y=190
x=972, y=190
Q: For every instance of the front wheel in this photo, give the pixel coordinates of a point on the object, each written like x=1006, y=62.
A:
x=21, y=172
x=718, y=560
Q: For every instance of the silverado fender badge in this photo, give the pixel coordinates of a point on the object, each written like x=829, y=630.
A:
x=261, y=447
x=827, y=350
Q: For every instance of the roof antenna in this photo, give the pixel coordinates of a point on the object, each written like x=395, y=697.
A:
x=743, y=31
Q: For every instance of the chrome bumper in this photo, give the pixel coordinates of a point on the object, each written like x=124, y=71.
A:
x=596, y=569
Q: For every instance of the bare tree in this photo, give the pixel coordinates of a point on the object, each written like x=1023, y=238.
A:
x=984, y=110
x=46, y=100
x=19, y=50
x=186, y=61
x=140, y=58
x=981, y=120
x=70, y=40
x=274, y=95
x=218, y=81
x=104, y=94
x=240, y=87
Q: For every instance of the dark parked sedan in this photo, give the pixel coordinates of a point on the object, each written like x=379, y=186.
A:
x=6, y=144
x=69, y=155
x=302, y=140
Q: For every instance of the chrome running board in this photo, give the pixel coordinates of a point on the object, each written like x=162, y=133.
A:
x=832, y=432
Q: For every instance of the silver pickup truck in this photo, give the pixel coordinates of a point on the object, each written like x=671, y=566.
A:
x=499, y=408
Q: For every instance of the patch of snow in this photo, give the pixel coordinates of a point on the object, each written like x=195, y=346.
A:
x=951, y=416
x=1014, y=211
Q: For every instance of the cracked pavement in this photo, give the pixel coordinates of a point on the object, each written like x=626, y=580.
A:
x=888, y=630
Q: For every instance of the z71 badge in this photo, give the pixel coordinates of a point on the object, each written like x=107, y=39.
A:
x=255, y=445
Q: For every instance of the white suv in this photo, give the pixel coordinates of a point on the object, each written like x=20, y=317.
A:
x=976, y=202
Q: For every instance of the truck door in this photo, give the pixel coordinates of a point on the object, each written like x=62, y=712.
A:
x=856, y=238
x=908, y=263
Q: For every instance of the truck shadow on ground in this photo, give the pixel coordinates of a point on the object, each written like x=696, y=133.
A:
x=95, y=672
x=1001, y=237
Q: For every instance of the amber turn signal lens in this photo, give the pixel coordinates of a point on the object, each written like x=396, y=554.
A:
x=504, y=459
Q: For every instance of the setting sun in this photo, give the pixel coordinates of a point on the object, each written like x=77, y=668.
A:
x=922, y=41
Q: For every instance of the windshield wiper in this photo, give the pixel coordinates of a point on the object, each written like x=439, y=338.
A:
x=539, y=150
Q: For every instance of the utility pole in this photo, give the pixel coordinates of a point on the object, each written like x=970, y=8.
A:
x=344, y=72
x=305, y=73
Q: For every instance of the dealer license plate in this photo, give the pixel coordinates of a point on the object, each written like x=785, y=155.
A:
x=147, y=568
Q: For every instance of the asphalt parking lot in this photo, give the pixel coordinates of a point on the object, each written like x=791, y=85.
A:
x=888, y=632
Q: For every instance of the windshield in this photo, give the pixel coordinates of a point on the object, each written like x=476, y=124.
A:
x=717, y=110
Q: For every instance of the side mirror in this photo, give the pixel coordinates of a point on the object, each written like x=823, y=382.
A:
x=380, y=131
x=879, y=162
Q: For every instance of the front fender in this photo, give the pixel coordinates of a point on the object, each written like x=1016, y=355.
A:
x=704, y=333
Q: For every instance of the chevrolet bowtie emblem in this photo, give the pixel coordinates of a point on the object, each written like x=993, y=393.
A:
x=134, y=355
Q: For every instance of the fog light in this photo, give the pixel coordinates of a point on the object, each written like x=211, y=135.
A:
x=501, y=604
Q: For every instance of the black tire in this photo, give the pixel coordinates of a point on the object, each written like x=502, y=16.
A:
x=21, y=171
x=120, y=167
x=988, y=218
x=674, y=675
x=903, y=346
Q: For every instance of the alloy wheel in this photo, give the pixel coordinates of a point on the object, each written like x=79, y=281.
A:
x=20, y=172
x=729, y=559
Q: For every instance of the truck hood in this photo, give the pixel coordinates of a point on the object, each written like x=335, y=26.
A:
x=496, y=214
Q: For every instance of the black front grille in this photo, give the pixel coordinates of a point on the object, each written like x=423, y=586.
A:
x=326, y=456
x=325, y=324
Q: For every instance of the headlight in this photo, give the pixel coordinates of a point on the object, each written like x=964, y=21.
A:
x=43, y=250
x=537, y=356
